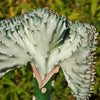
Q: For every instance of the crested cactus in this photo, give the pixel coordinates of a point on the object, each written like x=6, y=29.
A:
x=50, y=41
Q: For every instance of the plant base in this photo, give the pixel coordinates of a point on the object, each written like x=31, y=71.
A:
x=45, y=93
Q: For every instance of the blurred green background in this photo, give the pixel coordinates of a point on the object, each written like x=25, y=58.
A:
x=18, y=85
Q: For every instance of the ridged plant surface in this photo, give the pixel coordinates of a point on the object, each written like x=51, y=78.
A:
x=48, y=39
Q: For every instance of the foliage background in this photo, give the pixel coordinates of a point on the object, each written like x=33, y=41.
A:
x=18, y=85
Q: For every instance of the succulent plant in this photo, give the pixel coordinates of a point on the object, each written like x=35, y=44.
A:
x=49, y=41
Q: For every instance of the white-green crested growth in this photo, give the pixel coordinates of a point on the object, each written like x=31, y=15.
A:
x=47, y=39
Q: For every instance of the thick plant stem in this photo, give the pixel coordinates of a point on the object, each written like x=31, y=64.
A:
x=43, y=88
x=45, y=93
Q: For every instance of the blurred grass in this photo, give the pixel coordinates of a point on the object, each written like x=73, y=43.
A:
x=18, y=85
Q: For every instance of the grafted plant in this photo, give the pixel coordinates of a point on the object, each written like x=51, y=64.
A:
x=49, y=41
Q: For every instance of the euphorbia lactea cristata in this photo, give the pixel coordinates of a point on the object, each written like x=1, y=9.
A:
x=49, y=41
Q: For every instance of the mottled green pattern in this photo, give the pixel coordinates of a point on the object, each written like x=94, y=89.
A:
x=48, y=39
x=35, y=36
x=78, y=67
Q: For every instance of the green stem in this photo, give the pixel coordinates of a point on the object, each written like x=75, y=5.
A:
x=48, y=87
